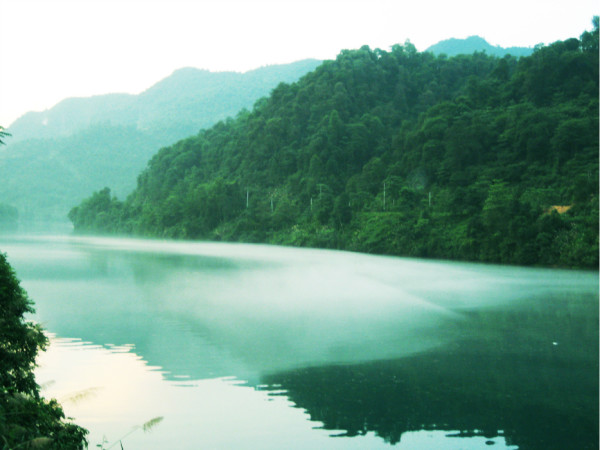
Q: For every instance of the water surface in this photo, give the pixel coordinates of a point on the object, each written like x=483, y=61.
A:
x=248, y=346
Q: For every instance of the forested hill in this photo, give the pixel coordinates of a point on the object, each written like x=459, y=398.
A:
x=394, y=152
x=57, y=157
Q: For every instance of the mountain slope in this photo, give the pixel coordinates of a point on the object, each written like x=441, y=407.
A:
x=72, y=115
x=54, y=158
x=394, y=152
x=192, y=97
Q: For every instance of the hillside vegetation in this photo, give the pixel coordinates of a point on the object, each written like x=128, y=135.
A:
x=55, y=158
x=392, y=152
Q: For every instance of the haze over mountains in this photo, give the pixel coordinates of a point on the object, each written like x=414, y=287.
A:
x=177, y=106
x=57, y=157
x=209, y=96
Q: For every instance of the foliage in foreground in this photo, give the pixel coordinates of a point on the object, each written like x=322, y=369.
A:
x=472, y=157
x=27, y=420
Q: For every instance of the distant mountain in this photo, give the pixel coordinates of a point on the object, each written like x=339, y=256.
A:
x=179, y=105
x=472, y=44
x=56, y=157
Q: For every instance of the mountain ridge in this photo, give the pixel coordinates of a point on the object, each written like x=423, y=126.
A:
x=32, y=119
x=190, y=86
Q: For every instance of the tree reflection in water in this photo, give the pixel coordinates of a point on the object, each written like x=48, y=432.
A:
x=528, y=373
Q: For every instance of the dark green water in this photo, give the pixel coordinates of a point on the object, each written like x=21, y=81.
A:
x=238, y=346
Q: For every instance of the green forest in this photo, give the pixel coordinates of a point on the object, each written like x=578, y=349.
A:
x=56, y=158
x=27, y=420
x=399, y=152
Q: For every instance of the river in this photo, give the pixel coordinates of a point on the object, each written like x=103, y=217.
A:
x=171, y=344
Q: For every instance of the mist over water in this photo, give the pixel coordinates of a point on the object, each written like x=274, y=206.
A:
x=270, y=308
x=204, y=311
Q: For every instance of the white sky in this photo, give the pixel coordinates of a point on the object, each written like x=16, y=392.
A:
x=54, y=49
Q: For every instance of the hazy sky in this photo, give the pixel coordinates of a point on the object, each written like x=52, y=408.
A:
x=54, y=49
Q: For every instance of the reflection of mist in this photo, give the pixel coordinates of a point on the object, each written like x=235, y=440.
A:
x=296, y=315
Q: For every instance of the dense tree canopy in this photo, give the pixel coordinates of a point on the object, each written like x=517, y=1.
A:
x=58, y=156
x=397, y=152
